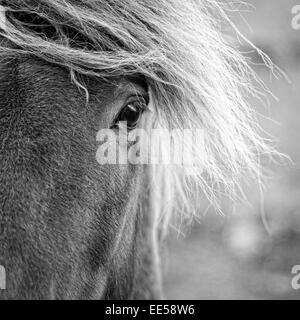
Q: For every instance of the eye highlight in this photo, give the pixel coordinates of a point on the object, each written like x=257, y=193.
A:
x=131, y=113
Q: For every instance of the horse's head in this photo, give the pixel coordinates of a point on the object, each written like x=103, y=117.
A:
x=69, y=226
x=64, y=217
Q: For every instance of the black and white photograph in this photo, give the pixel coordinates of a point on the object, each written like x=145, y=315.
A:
x=149, y=152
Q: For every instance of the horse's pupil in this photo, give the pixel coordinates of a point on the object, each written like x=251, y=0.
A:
x=131, y=114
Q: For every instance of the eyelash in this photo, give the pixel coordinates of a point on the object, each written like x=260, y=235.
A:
x=131, y=113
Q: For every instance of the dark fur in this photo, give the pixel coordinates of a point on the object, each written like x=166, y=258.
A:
x=70, y=228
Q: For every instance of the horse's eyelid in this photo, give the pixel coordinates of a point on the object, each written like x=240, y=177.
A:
x=137, y=98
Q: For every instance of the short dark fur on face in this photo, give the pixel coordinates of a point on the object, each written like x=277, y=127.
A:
x=65, y=219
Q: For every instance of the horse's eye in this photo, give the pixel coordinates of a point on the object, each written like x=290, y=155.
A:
x=131, y=113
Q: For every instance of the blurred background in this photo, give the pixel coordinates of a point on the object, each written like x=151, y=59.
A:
x=240, y=256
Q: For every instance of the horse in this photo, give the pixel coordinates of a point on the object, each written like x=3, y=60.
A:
x=70, y=227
